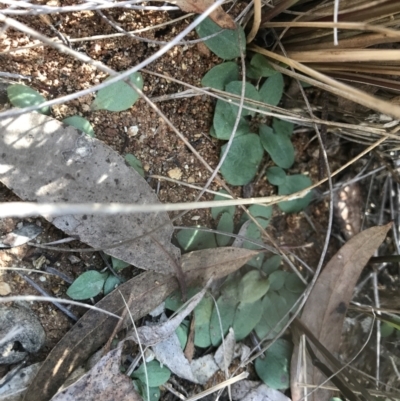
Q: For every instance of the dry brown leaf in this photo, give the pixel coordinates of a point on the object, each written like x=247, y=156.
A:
x=219, y=16
x=326, y=307
x=149, y=290
x=48, y=162
x=103, y=382
x=152, y=335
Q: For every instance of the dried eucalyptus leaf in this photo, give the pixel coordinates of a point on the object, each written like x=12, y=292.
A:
x=49, y=162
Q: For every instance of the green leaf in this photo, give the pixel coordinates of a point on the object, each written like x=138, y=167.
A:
x=253, y=286
x=221, y=75
x=118, y=96
x=261, y=213
x=174, y=301
x=273, y=370
x=292, y=184
x=282, y=127
x=226, y=308
x=118, y=264
x=193, y=240
x=275, y=308
x=261, y=66
x=276, y=175
x=289, y=296
x=111, y=284
x=386, y=329
x=134, y=162
x=247, y=316
x=272, y=90
x=263, y=216
x=24, y=96
x=224, y=121
x=202, y=318
x=243, y=159
x=277, y=279
x=278, y=146
x=231, y=285
x=226, y=45
x=81, y=124
x=225, y=224
x=294, y=284
x=250, y=92
x=87, y=285
x=271, y=264
x=155, y=393
x=157, y=374
x=216, y=211
x=256, y=261
x=182, y=333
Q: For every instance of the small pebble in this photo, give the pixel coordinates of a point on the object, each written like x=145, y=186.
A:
x=175, y=173
x=42, y=278
x=5, y=289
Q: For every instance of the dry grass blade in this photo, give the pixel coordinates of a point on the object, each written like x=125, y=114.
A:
x=149, y=290
x=327, y=304
x=337, y=87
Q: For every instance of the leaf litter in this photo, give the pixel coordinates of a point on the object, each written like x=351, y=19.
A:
x=148, y=290
x=325, y=310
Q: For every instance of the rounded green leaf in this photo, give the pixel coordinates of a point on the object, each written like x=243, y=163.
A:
x=277, y=279
x=157, y=374
x=276, y=175
x=119, y=264
x=225, y=224
x=118, y=96
x=243, y=159
x=24, y=96
x=224, y=121
x=134, y=162
x=261, y=66
x=278, y=146
x=263, y=216
x=261, y=213
x=253, y=286
x=271, y=264
x=228, y=44
x=272, y=90
x=247, y=316
x=275, y=308
x=202, y=318
x=87, y=285
x=81, y=124
x=111, y=284
x=294, y=284
x=193, y=240
x=216, y=211
x=250, y=92
x=292, y=184
x=221, y=75
x=273, y=370
x=226, y=309
x=282, y=127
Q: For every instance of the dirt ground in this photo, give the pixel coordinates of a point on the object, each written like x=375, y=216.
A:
x=161, y=152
